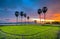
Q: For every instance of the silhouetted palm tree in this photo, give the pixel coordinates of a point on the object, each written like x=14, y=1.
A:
x=25, y=17
x=16, y=14
x=21, y=14
x=44, y=11
x=28, y=18
x=39, y=12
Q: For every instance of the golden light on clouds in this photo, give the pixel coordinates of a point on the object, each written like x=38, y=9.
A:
x=56, y=17
x=38, y=20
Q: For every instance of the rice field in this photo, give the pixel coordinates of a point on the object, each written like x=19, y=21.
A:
x=29, y=31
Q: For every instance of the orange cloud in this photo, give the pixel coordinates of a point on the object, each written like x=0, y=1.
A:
x=56, y=16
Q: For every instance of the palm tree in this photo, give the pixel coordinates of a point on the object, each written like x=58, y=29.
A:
x=39, y=12
x=21, y=14
x=25, y=17
x=44, y=11
x=28, y=18
x=16, y=14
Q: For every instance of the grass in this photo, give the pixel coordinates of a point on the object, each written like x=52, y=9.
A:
x=43, y=32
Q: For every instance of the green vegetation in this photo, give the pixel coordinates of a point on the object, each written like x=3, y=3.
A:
x=35, y=31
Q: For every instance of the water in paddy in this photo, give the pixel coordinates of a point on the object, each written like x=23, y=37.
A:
x=17, y=23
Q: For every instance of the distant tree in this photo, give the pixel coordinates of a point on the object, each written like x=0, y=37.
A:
x=17, y=14
x=44, y=9
x=39, y=12
x=25, y=17
x=55, y=22
x=35, y=21
x=28, y=18
x=21, y=14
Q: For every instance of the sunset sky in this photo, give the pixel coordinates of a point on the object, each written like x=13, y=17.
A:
x=30, y=7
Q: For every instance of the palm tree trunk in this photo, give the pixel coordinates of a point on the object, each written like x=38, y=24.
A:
x=40, y=19
x=44, y=17
x=21, y=20
x=25, y=20
x=17, y=21
x=28, y=21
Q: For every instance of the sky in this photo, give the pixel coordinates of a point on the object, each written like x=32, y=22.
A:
x=30, y=7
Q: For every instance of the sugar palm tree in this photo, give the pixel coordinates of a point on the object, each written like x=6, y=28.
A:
x=17, y=14
x=21, y=14
x=25, y=17
x=39, y=12
x=44, y=9
x=28, y=18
